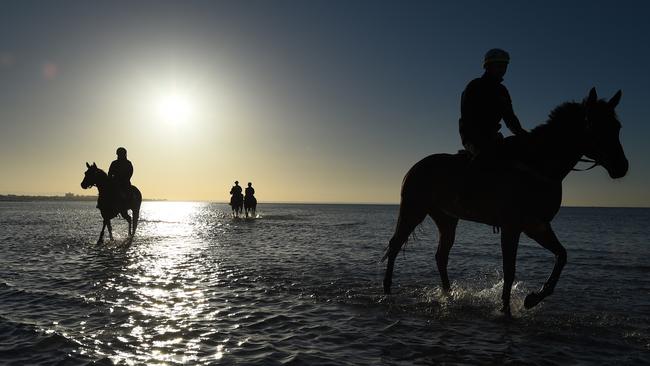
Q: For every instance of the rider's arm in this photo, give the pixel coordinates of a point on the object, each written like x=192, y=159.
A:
x=509, y=117
x=512, y=122
x=469, y=101
x=130, y=171
x=111, y=170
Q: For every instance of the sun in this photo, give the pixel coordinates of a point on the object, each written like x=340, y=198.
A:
x=174, y=107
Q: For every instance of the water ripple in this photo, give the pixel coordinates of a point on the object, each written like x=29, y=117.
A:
x=300, y=285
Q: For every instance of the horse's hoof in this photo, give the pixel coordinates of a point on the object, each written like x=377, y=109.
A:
x=506, y=311
x=532, y=299
x=446, y=291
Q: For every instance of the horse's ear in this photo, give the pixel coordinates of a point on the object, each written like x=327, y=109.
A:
x=87, y=165
x=615, y=99
x=593, y=97
x=94, y=165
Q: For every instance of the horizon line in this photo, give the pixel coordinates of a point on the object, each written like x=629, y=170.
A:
x=27, y=196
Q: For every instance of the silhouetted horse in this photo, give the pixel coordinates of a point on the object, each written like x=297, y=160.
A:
x=109, y=203
x=237, y=204
x=521, y=196
x=250, y=205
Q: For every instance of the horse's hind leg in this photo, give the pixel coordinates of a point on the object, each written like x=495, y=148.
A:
x=409, y=218
x=509, y=244
x=544, y=235
x=447, y=233
x=101, y=234
x=126, y=216
x=136, y=217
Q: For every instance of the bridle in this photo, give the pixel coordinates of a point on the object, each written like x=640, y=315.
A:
x=91, y=184
x=594, y=163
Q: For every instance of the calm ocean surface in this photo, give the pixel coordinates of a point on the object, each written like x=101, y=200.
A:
x=301, y=285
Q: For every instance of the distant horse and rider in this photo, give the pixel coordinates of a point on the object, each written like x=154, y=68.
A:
x=512, y=183
x=116, y=194
x=239, y=202
x=250, y=202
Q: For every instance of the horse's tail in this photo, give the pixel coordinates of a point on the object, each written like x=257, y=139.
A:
x=412, y=211
x=413, y=208
x=135, y=206
x=137, y=198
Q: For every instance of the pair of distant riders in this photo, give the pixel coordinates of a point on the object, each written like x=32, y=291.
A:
x=239, y=202
x=236, y=190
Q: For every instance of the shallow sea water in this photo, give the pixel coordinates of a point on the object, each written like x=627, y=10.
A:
x=301, y=285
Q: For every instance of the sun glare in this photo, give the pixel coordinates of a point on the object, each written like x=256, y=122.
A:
x=174, y=108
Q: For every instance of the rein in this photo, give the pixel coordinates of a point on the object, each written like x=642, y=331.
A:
x=593, y=162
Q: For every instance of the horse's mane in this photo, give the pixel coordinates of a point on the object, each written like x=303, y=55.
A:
x=563, y=119
x=102, y=173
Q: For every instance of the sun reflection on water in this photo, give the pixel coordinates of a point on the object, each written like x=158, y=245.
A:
x=164, y=286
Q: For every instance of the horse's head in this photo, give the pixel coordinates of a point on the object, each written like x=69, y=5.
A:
x=91, y=176
x=602, y=142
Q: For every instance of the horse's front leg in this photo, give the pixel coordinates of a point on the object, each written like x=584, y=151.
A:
x=544, y=235
x=101, y=235
x=110, y=229
x=509, y=245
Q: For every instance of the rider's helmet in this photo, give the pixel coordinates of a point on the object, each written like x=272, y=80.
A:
x=121, y=152
x=249, y=184
x=236, y=182
x=496, y=55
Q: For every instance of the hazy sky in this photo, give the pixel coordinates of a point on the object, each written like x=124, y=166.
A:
x=317, y=101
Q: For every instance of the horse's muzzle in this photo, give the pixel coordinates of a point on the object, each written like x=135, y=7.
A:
x=619, y=169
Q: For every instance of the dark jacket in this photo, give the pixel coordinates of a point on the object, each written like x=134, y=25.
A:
x=484, y=103
x=121, y=171
x=235, y=190
x=250, y=191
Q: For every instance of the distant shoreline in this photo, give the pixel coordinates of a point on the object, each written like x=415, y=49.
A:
x=67, y=197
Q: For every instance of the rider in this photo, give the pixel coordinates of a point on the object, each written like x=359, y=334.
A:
x=120, y=172
x=236, y=189
x=250, y=191
x=484, y=102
